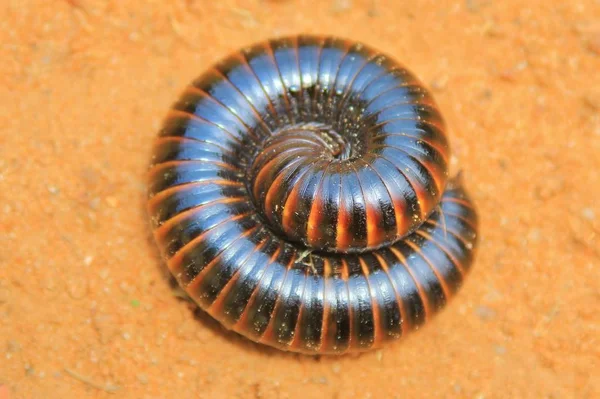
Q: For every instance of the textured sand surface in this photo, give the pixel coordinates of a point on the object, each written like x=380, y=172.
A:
x=86, y=310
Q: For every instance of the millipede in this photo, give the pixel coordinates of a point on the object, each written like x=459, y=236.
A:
x=299, y=193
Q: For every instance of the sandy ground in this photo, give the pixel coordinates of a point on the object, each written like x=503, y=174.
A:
x=86, y=310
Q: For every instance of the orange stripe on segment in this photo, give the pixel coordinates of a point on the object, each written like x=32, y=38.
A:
x=157, y=168
x=192, y=285
x=467, y=244
x=275, y=186
x=243, y=59
x=443, y=284
x=374, y=232
x=345, y=271
x=296, y=337
x=384, y=266
x=169, y=223
x=204, y=95
x=374, y=235
x=313, y=233
x=457, y=264
x=460, y=201
x=158, y=197
x=425, y=205
x=258, y=180
x=440, y=181
x=268, y=334
x=174, y=263
x=267, y=168
x=345, y=277
x=243, y=317
x=442, y=150
x=161, y=140
x=343, y=235
x=216, y=307
x=377, y=337
x=257, y=115
x=399, y=212
x=326, y=304
x=467, y=221
x=420, y=289
x=290, y=206
x=269, y=52
x=398, y=206
x=176, y=113
x=199, y=92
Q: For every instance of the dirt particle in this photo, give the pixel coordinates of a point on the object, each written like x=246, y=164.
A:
x=142, y=378
x=485, y=313
x=320, y=380
x=248, y=20
x=106, y=326
x=373, y=10
x=88, y=260
x=588, y=214
x=13, y=346
x=336, y=368
x=439, y=84
x=339, y=6
x=111, y=388
x=29, y=370
x=94, y=203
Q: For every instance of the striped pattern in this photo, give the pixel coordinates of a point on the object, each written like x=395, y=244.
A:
x=299, y=194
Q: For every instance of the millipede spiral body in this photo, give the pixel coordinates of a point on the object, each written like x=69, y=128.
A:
x=299, y=193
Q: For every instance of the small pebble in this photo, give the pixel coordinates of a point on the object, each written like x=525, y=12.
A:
x=142, y=378
x=106, y=326
x=29, y=370
x=13, y=346
x=485, y=313
x=588, y=214
x=320, y=380
x=336, y=368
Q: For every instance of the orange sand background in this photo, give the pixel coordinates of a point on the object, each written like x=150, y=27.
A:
x=86, y=310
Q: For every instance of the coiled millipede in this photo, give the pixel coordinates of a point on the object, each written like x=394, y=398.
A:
x=299, y=193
